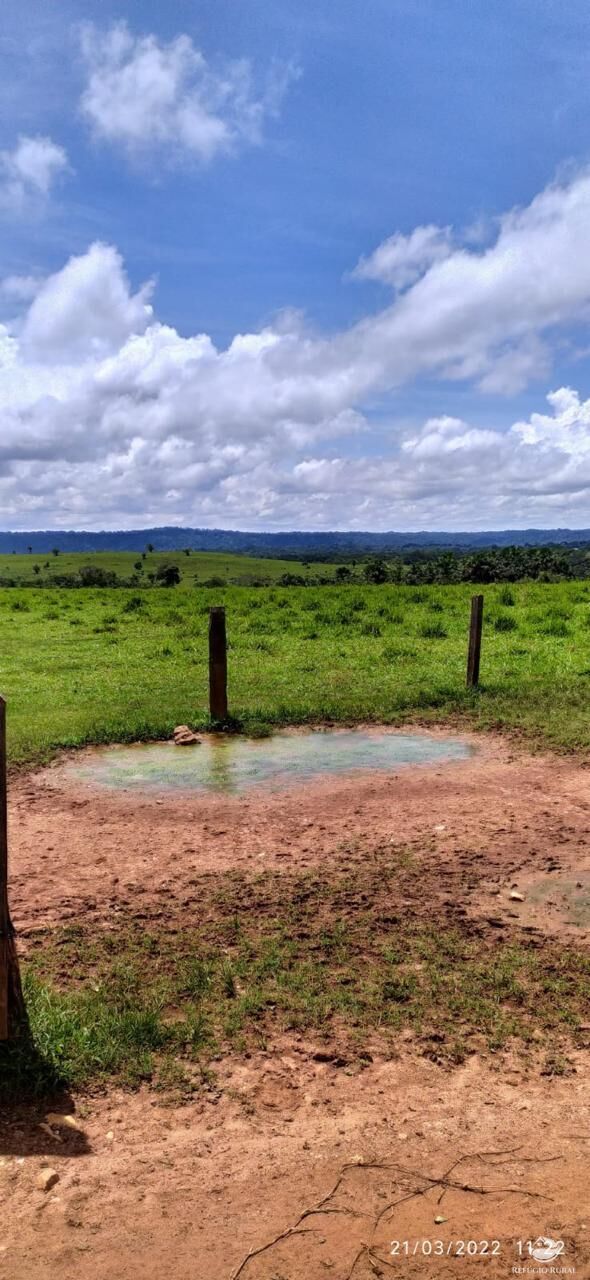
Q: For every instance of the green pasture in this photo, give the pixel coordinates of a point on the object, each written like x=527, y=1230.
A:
x=197, y=566
x=81, y=666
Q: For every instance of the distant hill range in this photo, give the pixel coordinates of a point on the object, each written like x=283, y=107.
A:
x=296, y=544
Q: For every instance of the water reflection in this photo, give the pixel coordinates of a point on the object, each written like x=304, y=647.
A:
x=234, y=764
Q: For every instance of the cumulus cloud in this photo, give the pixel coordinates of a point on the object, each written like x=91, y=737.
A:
x=402, y=259
x=29, y=171
x=144, y=94
x=110, y=417
x=85, y=310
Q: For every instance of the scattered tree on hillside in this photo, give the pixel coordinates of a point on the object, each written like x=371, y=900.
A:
x=376, y=571
x=168, y=574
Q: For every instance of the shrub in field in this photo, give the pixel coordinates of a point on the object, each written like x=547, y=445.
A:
x=375, y=571
x=433, y=631
x=370, y=629
x=435, y=606
x=133, y=604
x=506, y=597
x=168, y=574
x=505, y=623
x=91, y=575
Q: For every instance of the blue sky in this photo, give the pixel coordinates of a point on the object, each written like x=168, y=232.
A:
x=284, y=144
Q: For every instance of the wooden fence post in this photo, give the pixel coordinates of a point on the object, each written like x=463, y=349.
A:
x=13, y=1015
x=217, y=664
x=12, y=1006
x=474, y=652
x=4, y=916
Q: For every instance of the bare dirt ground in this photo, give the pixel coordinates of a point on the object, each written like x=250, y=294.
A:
x=147, y=1189
x=504, y=821
x=186, y=1193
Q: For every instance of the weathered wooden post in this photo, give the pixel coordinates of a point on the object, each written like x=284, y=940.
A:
x=12, y=1011
x=474, y=652
x=217, y=664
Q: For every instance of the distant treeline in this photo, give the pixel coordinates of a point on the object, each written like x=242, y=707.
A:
x=494, y=564
x=296, y=544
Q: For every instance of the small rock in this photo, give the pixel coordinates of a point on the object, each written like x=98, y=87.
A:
x=184, y=737
x=110, y=1136
x=47, y=1179
x=516, y=897
x=63, y=1121
x=439, y=1218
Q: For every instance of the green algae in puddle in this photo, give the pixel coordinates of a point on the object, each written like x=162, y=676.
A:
x=232, y=765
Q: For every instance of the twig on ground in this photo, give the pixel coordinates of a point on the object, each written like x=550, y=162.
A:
x=443, y=1181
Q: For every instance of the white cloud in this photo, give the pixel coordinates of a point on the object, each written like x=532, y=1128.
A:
x=20, y=288
x=110, y=417
x=402, y=259
x=29, y=171
x=144, y=95
x=84, y=310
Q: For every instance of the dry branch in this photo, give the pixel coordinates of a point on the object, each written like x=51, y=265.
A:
x=443, y=1181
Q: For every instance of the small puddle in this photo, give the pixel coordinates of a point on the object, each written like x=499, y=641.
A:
x=232, y=765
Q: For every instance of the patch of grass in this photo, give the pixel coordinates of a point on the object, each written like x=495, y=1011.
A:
x=504, y=622
x=125, y=672
x=433, y=631
x=283, y=953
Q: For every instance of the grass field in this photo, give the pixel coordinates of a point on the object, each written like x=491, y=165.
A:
x=194, y=568
x=82, y=666
x=106, y=665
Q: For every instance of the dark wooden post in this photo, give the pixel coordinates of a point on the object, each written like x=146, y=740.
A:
x=474, y=652
x=12, y=1011
x=4, y=916
x=217, y=664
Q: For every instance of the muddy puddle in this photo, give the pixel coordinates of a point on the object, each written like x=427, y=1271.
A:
x=234, y=764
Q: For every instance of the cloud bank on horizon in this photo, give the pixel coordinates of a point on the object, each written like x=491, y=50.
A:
x=111, y=417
